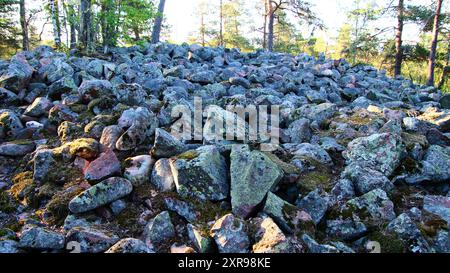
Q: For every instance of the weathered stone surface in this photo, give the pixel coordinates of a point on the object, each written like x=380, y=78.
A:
x=253, y=174
x=138, y=169
x=270, y=239
x=159, y=230
x=40, y=238
x=39, y=107
x=92, y=240
x=375, y=205
x=201, y=241
x=9, y=247
x=101, y=194
x=201, y=173
x=166, y=145
x=130, y=245
x=17, y=149
x=162, y=177
x=365, y=179
x=139, y=124
x=434, y=167
x=345, y=229
x=380, y=152
x=439, y=205
x=287, y=216
x=315, y=204
x=407, y=230
x=230, y=236
x=106, y=165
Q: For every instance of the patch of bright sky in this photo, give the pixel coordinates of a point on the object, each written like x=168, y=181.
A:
x=183, y=21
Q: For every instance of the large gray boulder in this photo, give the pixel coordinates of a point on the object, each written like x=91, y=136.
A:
x=201, y=173
x=380, y=152
x=253, y=174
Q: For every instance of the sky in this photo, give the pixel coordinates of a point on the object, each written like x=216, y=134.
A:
x=180, y=15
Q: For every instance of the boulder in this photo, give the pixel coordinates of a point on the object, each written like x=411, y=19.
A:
x=253, y=175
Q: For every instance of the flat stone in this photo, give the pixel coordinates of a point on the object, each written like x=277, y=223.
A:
x=106, y=165
x=101, y=194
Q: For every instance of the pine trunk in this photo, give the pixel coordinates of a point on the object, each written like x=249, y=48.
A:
x=55, y=15
x=270, y=28
x=158, y=22
x=399, y=40
x=432, y=57
x=86, y=35
x=24, y=25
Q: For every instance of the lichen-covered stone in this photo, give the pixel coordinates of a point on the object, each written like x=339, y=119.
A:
x=365, y=179
x=159, y=230
x=287, y=216
x=230, y=236
x=101, y=194
x=434, y=167
x=253, y=174
x=40, y=238
x=16, y=148
x=201, y=173
x=315, y=204
x=438, y=205
x=380, y=152
x=166, y=145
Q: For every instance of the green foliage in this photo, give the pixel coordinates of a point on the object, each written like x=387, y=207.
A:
x=9, y=30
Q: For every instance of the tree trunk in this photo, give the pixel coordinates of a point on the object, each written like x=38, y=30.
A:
x=158, y=22
x=65, y=18
x=55, y=15
x=72, y=24
x=86, y=35
x=432, y=58
x=266, y=10
x=270, y=28
x=221, y=24
x=202, y=29
x=24, y=25
x=398, y=39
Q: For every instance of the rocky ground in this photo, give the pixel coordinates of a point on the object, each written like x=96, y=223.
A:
x=85, y=156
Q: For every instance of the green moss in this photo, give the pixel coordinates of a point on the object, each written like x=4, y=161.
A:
x=189, y=155
x=286, y=167
x=407, y=165
x=313, y=180
x=389, y=242
x=64, y=173
x=6, y=203
x=58, y=205
x=23, y=189
x=78, y=108
x=128, y=219
x=431, y=224
x=358, y=119
x=410, y=140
